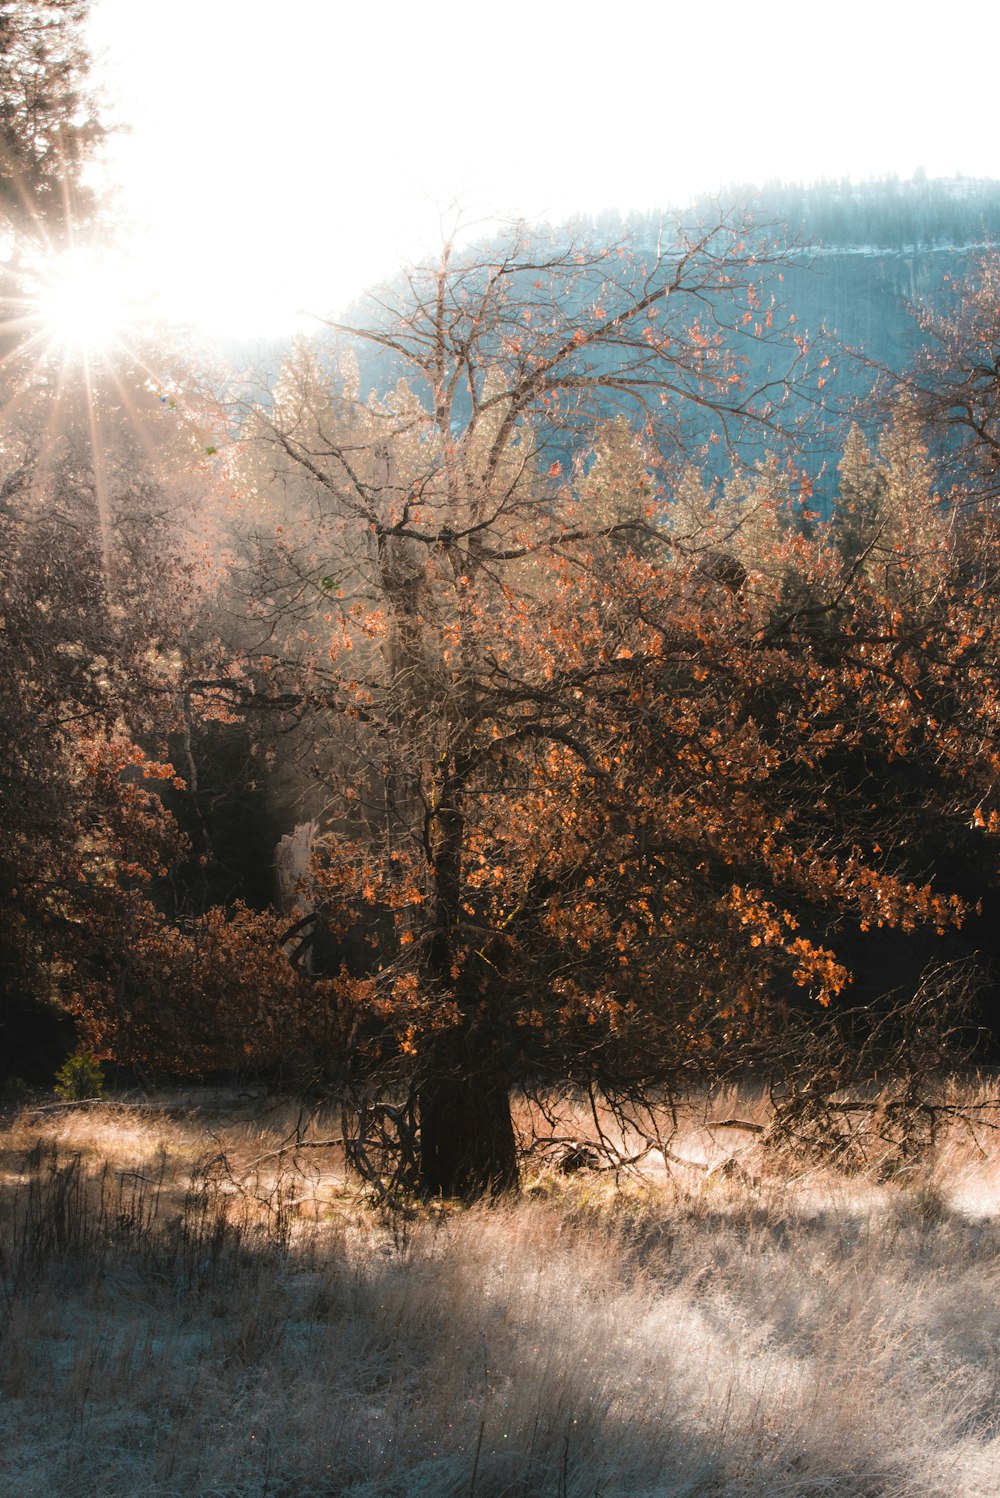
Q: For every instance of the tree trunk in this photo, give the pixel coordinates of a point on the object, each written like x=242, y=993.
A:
x=467, y=1146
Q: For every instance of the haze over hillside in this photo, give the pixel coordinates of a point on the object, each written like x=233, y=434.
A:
x=864, y=252
x=857, y=260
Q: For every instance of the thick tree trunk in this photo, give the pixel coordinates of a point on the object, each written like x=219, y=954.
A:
x=467, y=1146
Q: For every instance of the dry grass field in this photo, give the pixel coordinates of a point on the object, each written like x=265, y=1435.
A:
x=189, y=1311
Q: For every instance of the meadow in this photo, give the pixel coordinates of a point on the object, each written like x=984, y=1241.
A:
x=196, y=1303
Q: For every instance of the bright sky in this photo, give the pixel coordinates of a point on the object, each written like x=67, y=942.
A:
x=282, y=156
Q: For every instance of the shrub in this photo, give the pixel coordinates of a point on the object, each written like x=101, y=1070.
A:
x=79, y=1077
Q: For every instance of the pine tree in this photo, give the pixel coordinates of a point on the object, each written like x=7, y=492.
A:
x=48, y=124
x=858, y=518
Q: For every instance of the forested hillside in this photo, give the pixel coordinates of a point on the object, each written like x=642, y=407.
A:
x=857, y=264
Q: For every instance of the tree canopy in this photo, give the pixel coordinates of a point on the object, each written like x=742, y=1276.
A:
x=48, y=124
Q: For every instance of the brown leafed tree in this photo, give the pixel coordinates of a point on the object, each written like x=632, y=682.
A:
x=588, y=781
x=100, y=585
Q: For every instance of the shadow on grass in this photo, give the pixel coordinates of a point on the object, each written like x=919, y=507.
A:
x=163, y=1334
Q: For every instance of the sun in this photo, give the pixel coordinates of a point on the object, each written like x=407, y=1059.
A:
x=79, y=304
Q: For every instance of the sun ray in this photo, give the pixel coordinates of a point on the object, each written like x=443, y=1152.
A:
x=102, y=495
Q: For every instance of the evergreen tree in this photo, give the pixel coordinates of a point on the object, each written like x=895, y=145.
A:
x=858, y=510
x=48, y=124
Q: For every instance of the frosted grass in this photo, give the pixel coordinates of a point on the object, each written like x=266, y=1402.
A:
x=779, y=1330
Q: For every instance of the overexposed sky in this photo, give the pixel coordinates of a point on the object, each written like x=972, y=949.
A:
x=281, y=156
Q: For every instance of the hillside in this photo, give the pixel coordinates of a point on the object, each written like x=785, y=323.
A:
x=859, y=258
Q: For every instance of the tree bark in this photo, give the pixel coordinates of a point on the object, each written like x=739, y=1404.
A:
x=467, y=1146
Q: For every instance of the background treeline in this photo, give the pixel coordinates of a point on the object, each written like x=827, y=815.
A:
x=885, y=213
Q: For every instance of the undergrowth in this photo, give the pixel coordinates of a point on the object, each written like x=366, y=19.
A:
x=188, y=1307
